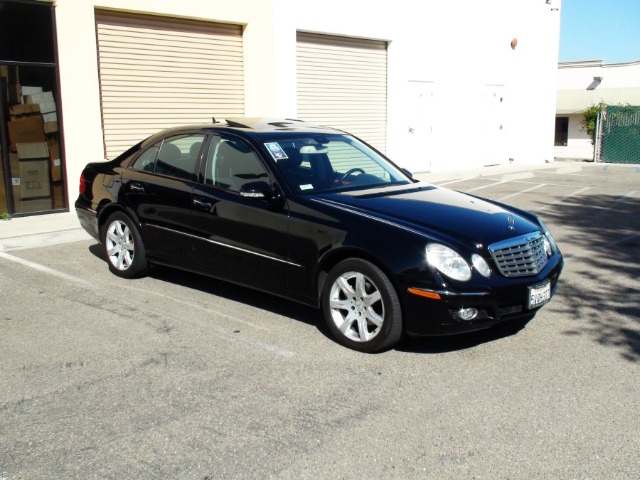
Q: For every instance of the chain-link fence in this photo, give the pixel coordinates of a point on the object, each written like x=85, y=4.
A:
x=618, y=135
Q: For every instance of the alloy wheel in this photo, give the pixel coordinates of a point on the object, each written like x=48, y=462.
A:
x=119, y=245
x=357, y=307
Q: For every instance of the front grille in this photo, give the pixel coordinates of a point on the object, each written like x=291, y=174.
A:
x=520, y=256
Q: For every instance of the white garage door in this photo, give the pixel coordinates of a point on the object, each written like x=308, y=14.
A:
x=342, y=83
x=157, y=72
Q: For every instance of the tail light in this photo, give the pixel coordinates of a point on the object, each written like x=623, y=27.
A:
x=83, y=185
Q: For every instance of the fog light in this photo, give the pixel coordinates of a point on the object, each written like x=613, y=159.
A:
x=467, y=313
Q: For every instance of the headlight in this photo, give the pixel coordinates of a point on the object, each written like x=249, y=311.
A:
x=548, y=249
x=448, y=262
x=550, y=246
x=481, y=265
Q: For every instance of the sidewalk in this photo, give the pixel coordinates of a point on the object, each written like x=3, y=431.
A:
x=40, y=231
x=55, y=228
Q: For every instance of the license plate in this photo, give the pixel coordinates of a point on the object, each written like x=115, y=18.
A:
x=539, y=295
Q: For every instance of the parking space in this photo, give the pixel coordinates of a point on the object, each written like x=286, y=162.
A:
x=179, y=376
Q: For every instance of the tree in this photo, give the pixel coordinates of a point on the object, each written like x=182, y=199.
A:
x=590, y=119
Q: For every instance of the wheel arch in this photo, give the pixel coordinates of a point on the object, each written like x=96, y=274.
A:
x=332, y=258
x=105, y=210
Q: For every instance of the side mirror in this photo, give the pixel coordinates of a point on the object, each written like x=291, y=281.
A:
x=256, y=190
x=261, y=191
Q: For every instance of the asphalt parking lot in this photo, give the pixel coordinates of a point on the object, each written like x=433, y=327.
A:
x=179, y=376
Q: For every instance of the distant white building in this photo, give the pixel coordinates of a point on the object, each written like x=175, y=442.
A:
x=587, y=83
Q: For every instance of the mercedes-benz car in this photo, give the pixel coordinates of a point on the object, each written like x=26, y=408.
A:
x=317, y=216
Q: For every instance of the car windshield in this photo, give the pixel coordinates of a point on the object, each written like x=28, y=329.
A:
x=316, y=163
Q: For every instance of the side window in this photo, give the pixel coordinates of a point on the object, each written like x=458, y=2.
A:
x=232, y=163
x=147, y=160
x=178, y=156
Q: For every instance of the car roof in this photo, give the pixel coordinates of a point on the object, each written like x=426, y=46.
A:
x=253, y=127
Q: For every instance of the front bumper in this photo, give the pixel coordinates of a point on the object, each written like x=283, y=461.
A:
x=436, y=313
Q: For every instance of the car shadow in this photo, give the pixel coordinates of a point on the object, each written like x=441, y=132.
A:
x=601, y=233
x=463, y=341
x=311, y=316
x=231, y=291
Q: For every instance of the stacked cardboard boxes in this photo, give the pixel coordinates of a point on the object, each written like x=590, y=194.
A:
x=36, y=170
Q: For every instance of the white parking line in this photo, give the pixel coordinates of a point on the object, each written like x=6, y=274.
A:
x=42, y=268
x=177, y=300
x=489, y=185
x=535, y=187
x=220, y=331
x=512, y=177
x=563, y=199
x=588, y=253
x=442, y=184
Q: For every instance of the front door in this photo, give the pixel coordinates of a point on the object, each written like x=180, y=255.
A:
x=242, y=239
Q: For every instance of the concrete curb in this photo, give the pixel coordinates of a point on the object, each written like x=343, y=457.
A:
x=35, y=240
x=40, y=231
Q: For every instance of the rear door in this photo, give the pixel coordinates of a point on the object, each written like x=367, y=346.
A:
x=158, y=187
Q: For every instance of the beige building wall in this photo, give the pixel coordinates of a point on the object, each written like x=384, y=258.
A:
x=480, y=100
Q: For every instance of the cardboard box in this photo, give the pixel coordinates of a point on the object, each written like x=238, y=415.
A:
x=50, y=127
x=26, y=90
x=26, y=130
x=24, y=110
x=33, y=205
x=14, y=166
x=33, y=151
x=44, y=97
x=54, y=160
x=58, y=195
x=34, y=179
x=14, y=93
x=47, y=107
x=34, y=170
x=49, y=117
x=16, y=184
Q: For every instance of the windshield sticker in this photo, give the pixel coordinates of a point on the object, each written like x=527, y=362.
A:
x=276, y=151
x=306, y=187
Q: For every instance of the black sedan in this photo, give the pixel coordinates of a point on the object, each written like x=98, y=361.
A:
x=317, y=216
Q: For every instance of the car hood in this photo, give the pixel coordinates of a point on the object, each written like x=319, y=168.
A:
x=436, y=211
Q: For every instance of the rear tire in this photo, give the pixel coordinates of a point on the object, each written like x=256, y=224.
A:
x=361, y=307
x=123, y=246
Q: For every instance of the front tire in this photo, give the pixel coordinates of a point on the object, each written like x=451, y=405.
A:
x=361, y=307
x=123, y=246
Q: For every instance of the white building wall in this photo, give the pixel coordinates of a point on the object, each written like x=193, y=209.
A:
x=579, y=75
x=587, y=83
x=458, y=51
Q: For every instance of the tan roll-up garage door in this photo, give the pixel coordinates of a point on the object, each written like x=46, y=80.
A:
x=342, y=83
x=158, y=72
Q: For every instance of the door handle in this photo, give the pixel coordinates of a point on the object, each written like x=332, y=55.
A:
x=202, y=204
x=136, y=187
